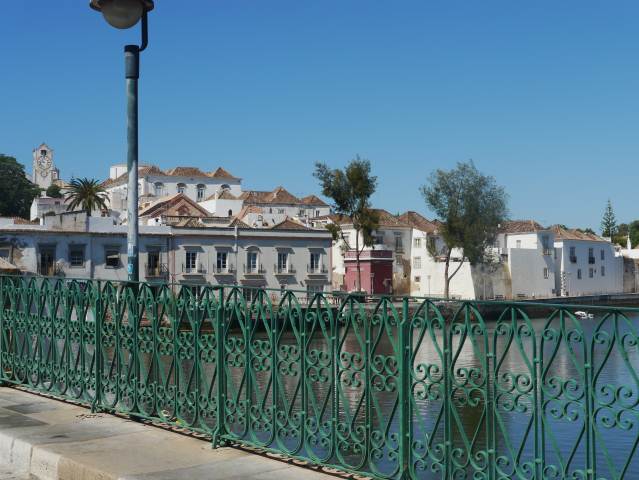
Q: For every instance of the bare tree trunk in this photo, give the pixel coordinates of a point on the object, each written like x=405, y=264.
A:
x=446, y=277
x=359, y=273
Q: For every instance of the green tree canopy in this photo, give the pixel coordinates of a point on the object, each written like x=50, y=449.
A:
x=608, y=222
x=54, y=191
x=351, y=189
x=17, y=191
x=470, y=206
x=87, y=194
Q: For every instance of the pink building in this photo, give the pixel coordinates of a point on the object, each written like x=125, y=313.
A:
x=376, y=267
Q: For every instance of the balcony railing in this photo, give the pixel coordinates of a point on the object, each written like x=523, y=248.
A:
x=548, y=251
x=316, y=269
x=448, y=386
x=256, y=270
x=193, y=270
x=50, y=270
x=224, y=270
x=284, y=269
x=157, y=270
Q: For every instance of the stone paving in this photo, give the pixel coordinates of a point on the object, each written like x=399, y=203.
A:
x=52, y=440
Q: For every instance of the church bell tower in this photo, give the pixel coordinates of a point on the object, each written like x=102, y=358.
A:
x=44, y=171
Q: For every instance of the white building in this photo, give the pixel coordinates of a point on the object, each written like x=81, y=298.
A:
x=586, y=264
x=154, y=182
x=287, y=255
x=527, y=250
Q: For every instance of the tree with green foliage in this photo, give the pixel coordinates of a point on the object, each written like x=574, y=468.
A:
x=87, y=194
x=17, y=191
x=54, y=191
x=470, y=206
x=625, y=230
x=351, y=190
x=608, y=222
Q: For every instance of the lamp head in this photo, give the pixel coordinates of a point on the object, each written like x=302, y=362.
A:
x=122, y=13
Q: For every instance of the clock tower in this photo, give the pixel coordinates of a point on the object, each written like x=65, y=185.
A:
x=44, y=171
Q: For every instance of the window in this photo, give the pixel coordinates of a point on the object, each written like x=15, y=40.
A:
x=418, y=279
x=379, y=239
x=191, y=261
x=591, y=255
x=251, y=262
x=222, y=263
x=603, y=255
x=280, y=211
x=579, y=273
x=417, y=262
x=159, y=189
x=230, y=214
x=4, y=253
x=153, y=263
x=418, y=243
x=573, y=255
x=518, y=243
x=181, y=188
x=544, y=242
x=43, y=153
x=315, y=261
x=317, y=213
x=111, y=257
x=76, y=255
x=591, y=272
x=399, y=247
x=545, y=272
x=282, y=261
x=314, y=289
x=603, y=270
x=201, y=189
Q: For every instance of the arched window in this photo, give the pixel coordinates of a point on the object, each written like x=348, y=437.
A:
x=230, y=213
x=159, y=189
x=201, y=189
x=225, y=186
x=181, y=187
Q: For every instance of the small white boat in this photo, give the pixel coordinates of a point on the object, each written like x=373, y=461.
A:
x=583, y=315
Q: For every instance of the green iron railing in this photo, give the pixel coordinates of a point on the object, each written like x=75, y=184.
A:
x=411, y=388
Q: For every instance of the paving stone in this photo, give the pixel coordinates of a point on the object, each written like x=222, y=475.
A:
x=53, y=440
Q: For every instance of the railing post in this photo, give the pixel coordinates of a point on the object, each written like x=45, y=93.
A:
x=220, y=392
x=97, y=350
x=404, y=361
x=3, y=383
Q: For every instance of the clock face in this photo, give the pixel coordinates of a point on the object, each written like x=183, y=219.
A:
x=44, y=163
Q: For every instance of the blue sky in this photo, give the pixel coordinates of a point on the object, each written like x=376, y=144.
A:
x=543, y=95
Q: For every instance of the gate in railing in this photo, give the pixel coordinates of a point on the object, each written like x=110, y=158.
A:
x=406, y=389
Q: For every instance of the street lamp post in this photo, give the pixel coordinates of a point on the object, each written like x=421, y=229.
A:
x=125, y=14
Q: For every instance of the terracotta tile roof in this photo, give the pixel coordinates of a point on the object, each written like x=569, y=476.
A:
x=221, y=173
x=163, y=204
x=386, y=219
x=278, y=196
x=238, y=223
x=186, y=172
x=289, y=224
x=520, y=226
x=224, y=195
x=142, y=171
x=313, y=200
x=418, y=221
x=571, y=234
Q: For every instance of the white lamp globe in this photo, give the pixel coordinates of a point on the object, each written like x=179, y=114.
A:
x=121, y=13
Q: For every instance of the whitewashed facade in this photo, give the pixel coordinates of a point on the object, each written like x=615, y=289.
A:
x=75, y=246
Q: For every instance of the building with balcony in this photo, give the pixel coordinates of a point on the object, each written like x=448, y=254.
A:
x=286, y=255
x=586, y=264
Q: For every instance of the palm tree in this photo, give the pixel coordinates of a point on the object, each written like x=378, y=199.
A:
x=86, y=193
